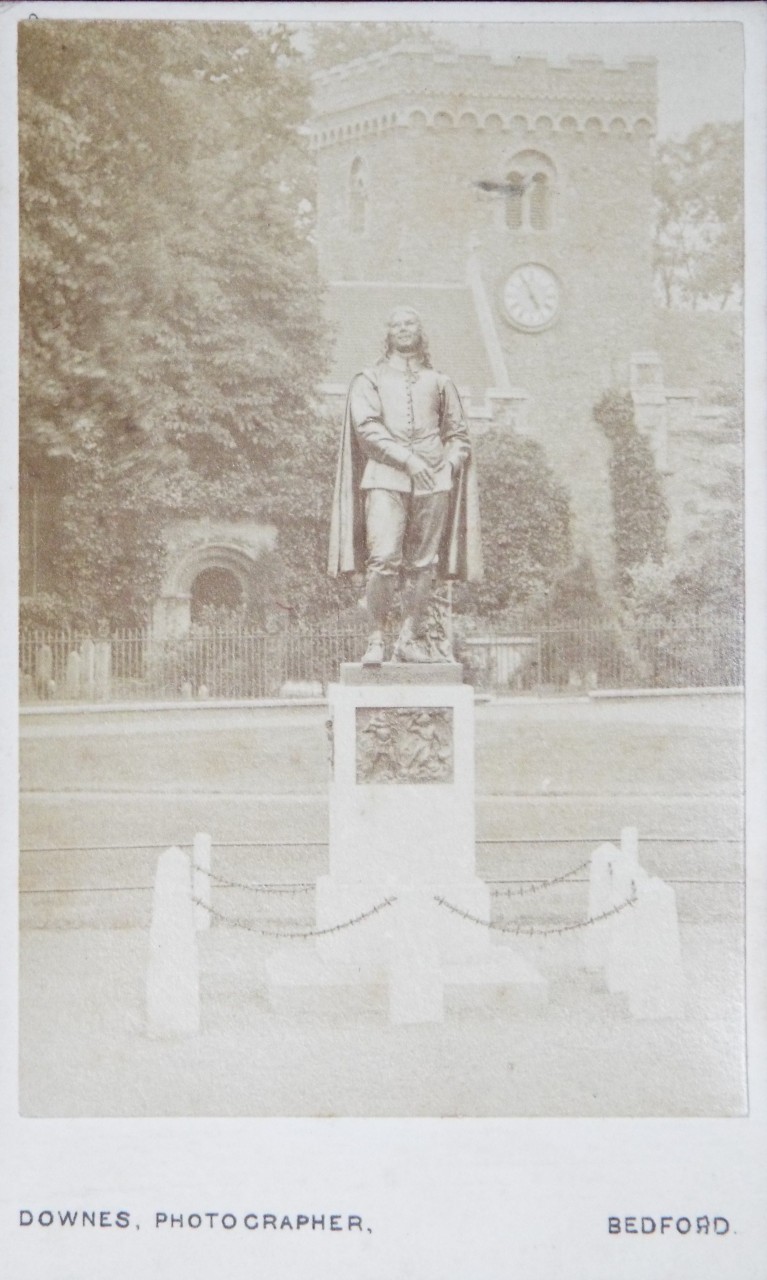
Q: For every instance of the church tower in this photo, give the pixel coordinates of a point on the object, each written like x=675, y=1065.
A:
x=515, y=196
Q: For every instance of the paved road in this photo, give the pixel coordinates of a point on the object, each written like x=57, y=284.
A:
x=525, y=747
x=563, y=770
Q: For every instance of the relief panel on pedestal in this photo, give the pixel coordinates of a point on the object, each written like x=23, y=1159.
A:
x=404, y=744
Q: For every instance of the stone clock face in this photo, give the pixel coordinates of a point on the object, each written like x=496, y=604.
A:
x=531, y=297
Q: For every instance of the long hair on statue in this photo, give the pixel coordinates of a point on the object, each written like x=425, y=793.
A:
x=423, y=352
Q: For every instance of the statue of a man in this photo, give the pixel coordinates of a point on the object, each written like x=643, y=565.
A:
x=405, y=498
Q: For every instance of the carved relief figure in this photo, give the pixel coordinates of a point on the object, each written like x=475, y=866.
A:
x=401, y=744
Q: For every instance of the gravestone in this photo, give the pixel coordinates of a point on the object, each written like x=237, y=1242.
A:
x=87, y=670
x=73, y=675
x=43, y=670
x=102, y=670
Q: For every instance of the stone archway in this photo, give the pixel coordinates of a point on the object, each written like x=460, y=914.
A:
x=216, y=588
x=206, y=551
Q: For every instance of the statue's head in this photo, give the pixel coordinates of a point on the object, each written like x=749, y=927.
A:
x=404, y=333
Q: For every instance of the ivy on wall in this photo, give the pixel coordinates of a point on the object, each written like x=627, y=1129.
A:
x=527, y=540
x=640, y=511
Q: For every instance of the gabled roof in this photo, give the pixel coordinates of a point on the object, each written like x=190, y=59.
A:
x=357, y=312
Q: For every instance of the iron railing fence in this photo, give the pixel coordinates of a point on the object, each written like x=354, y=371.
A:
x=232, y=663
x=688, y=654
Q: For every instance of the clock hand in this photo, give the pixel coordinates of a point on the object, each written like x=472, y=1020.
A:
x=533, y=296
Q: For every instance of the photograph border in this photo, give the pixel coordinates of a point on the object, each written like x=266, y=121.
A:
x=439, y=1198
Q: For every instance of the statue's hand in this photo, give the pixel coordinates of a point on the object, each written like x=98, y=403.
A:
x=419, y=470
x=455, y=464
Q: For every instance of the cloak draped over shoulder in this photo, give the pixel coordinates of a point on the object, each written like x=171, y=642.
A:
x=460, y=554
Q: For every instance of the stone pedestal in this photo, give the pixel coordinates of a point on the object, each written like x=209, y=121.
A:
x=402, y=804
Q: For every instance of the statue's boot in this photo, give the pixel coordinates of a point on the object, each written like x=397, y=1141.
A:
x=409, y=648
x=416, y=597
x=379, y=598
x=374, y=654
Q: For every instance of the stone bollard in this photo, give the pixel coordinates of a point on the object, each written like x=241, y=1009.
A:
x=601, y=898
x=201, y=885
x=628, y=875
x=622, y=945
x=656, y=984
x=73, y=675
x=416, y=989
x=173, y=980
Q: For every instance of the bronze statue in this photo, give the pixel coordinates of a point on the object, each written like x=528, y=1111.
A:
x=405, y=500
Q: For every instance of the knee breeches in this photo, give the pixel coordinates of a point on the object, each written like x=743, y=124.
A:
x=403, y=530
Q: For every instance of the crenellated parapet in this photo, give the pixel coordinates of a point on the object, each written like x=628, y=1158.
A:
x=411, y=87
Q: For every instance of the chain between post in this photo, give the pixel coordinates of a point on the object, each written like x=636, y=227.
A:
x=307, y=888
x=254, y=888
x=294, y=933
x=544, y=884
x=527, y=930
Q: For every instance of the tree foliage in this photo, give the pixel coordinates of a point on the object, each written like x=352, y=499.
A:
x=699, y=218
x=640, y=512
x=526, y=519
x=170, y=339
x=704, y=577
x=575, y=596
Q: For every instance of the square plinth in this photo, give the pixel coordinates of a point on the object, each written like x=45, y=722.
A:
x=402, y=784
x=402, y=673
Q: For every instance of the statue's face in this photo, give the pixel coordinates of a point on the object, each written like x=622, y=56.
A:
x=405, y=332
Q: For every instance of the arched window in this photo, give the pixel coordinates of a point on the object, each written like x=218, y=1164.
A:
x=539, y=202
x=515, y=190
x=530, y=188
x=358, y=197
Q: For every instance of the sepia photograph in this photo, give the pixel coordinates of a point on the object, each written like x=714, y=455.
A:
x=383, y=576
x=381, y=564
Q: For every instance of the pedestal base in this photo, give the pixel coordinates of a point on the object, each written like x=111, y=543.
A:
x=401, y=840
x=402, y=673
x=311, y=985
x=370, y=941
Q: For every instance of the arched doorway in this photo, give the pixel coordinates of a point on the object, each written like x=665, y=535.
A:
x=215, y=591
x=212, y=567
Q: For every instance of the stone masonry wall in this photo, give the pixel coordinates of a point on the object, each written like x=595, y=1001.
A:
x=427, y=131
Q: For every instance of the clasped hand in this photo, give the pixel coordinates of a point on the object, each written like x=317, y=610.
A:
x=422, y=473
